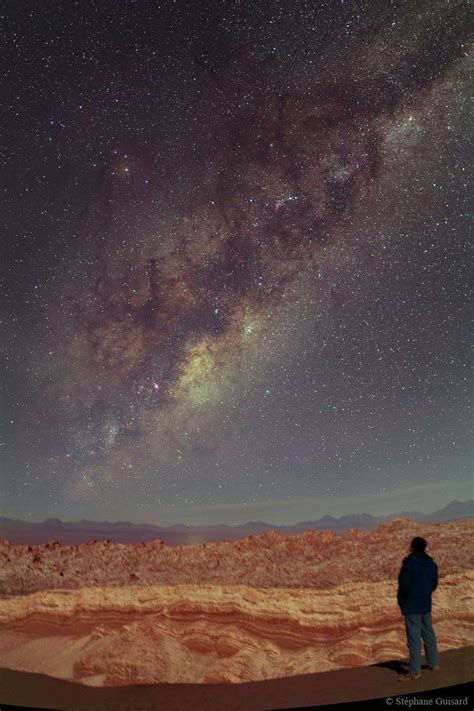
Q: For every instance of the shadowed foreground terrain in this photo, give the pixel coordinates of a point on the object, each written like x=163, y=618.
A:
x=345, y=685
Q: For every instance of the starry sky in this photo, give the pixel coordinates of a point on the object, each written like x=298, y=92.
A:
x=235, y=259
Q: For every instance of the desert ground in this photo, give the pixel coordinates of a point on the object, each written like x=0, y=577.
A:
x=367, y=688
x=266, y=607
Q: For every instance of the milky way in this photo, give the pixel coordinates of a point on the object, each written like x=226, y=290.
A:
x=236, y=258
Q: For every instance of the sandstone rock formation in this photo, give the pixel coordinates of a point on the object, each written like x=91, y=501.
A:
x=309, y=560
x=190, y=633
x=262, y=607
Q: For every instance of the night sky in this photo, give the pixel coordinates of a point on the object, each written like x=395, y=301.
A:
x=235, y=276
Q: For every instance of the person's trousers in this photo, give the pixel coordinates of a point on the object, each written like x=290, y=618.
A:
x=420, y=627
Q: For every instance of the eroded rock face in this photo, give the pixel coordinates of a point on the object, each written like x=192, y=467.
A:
x=263, y=607
x=190, y=633
x=309, y=560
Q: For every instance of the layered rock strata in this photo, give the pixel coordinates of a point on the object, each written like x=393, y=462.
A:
x=207, y=633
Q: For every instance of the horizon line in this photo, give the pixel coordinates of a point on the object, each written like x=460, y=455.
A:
x=238, y=525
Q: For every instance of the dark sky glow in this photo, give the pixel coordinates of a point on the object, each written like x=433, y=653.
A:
x=235, y=263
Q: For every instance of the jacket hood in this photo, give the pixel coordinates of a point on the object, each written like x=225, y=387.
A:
x=421, y=559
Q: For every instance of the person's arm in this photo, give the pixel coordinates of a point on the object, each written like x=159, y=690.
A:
x=404, y=582
x=435, y=577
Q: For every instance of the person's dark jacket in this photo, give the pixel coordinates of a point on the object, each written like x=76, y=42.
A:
x=417, y=579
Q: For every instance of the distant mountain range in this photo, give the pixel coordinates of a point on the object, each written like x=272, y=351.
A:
x=25, y=532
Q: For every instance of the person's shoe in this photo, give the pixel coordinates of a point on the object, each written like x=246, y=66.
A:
x=435, y=668
x=410, y=677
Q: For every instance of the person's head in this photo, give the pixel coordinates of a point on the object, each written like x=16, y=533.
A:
x=418, y=545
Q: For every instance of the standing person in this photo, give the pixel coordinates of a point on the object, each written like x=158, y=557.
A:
x=417, y=579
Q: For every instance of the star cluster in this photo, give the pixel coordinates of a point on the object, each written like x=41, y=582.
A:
x=235, y=257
